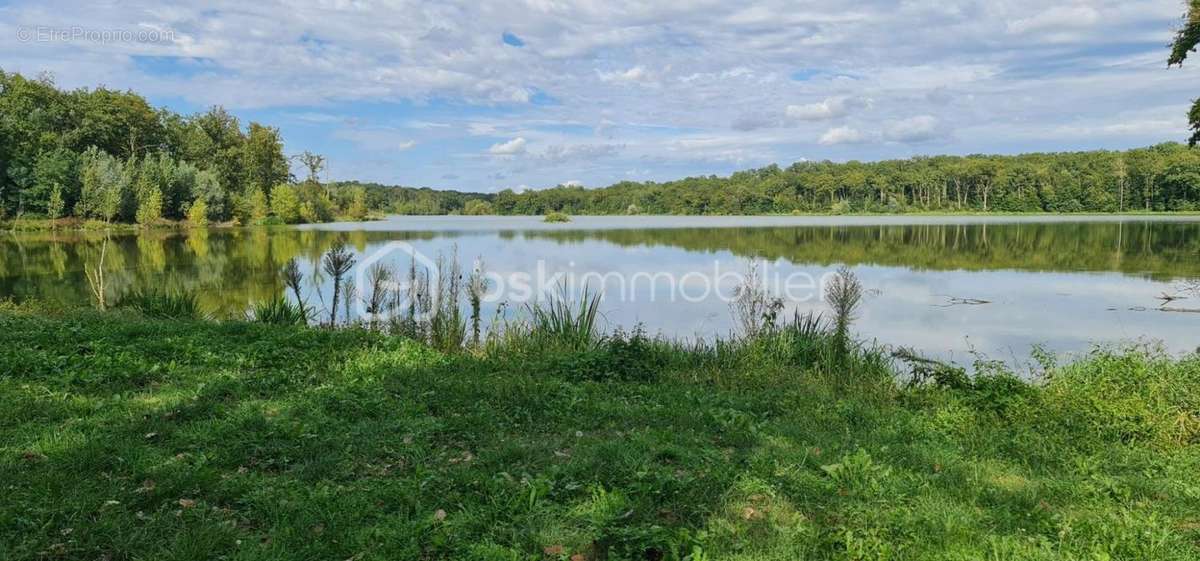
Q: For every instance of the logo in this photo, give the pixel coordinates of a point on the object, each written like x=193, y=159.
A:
x=396, y=280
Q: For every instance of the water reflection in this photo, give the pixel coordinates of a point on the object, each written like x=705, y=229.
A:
x=1064, y=284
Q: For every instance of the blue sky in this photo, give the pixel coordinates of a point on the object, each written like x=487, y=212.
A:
x=529, y=94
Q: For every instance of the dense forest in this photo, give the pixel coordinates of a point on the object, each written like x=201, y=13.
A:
x=110, y=156
x=1165, y=177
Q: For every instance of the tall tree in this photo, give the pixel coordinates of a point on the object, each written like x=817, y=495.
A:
x=1185, y=42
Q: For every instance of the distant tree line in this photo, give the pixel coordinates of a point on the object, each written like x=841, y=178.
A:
x=108, y=155
x=1165, y=177
x=395, y=199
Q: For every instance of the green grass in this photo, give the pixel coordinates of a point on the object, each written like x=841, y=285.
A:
x=555, y=216
x=126, y=437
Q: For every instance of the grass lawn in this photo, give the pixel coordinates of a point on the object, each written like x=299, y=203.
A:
x=123, y=437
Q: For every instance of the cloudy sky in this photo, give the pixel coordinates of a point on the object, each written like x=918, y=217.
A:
x=484, y=95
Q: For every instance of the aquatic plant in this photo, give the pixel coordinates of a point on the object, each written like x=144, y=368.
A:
x=556, y=216
x=843, y=294
x=754, y=309
x=477, y=285
x=565, y=323
x=163, y=304
x=293, y=279
x=278, y=311
x=336, y=263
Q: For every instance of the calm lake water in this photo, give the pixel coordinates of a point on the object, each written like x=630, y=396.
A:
x=1063, y=283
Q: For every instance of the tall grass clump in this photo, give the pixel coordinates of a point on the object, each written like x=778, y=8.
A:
x=755, y=311
x=379, y=300
x=555, y=216
x=447, y=328
x=162, y=304
x=566, y=324
x=278, y=311
x=417, y=303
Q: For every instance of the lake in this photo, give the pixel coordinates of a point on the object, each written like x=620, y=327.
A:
x=956, y=288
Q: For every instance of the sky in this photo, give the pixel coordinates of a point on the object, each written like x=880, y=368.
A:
x=487, y=95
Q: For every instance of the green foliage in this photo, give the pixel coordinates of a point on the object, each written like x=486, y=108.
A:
x=278, y=311
x=107, y=152
x=56, y=207
x=560, y=322
x=149, y=210
x=478, y=207
x=253, y=207
x=197, y=214
x=555, y=216
x=357, y=210
x=285, y=204
x=162, y=304
x=198, y=440
x=1099, y=181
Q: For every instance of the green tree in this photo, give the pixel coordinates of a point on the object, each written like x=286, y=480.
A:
x=357, y=210
x=56, y=206
x=1185, y=42
x=478, y=207
x=262, y=158
x=285, y=204
x=149, y=209
x=197, y=214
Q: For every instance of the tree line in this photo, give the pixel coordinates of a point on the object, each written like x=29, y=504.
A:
x=108, y=155
x=1165, y=177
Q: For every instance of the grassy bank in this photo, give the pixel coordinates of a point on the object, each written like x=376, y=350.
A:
x=124, y=437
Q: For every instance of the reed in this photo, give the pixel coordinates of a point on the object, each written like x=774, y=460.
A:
x=565, y=323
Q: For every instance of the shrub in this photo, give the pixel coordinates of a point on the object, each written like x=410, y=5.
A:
x=555, y=216
x=197, y=215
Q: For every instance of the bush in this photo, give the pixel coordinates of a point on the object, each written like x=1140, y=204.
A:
x=555, y=216
x=197, y=215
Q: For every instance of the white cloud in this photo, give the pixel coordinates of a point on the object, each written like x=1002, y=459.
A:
x=406, y=145
x=913, y=129
x=573, y=183
x=1056, y=18
x=842, y=135
x=732, y=84
x=828, y=108
x=510, y=148
x=635, y=74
